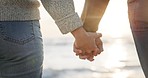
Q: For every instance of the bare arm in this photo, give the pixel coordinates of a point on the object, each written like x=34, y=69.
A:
x=92, y=14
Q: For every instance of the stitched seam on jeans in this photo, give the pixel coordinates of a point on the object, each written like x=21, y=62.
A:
x=22, y=41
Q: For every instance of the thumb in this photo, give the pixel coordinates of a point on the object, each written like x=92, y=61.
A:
x=97, y=35
x=76, y=49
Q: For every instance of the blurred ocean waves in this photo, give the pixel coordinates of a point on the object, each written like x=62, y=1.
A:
x=119, y=60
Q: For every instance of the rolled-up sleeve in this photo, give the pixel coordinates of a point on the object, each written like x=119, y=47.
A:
x=63, y=13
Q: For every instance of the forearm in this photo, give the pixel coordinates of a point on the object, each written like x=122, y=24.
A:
x=63, y=12
x=79, y=33
x=92, y=14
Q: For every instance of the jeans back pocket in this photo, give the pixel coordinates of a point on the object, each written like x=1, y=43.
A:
x=19, y=32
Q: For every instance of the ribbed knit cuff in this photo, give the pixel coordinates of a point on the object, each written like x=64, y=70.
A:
x=69, y=23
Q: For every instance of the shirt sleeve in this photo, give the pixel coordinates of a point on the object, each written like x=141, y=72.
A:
x=63, y=13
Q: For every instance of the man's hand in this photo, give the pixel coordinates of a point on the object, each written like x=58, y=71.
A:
x=85, y=41
x=89, y=56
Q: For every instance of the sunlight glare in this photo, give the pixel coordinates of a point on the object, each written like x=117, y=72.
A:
x=116, y=53
x=115, y=20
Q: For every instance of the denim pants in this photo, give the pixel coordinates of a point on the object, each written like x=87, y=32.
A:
x=138, y=17
x=21, y=49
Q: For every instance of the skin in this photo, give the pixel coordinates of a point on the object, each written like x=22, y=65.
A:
x=86, y=41
x=92, y=13
x=89, y=56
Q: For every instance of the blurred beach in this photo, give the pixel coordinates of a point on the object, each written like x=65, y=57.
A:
x=118, y=60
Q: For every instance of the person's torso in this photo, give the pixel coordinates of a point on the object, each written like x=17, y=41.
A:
x=19, y=10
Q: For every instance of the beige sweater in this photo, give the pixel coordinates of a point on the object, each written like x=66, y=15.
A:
x=62, y=11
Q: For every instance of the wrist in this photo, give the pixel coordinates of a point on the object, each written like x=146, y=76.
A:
x=79, y=33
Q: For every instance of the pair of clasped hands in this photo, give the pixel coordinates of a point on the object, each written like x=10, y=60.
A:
x=87, y=45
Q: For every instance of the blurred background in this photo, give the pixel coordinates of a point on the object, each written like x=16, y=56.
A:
x=119, y=59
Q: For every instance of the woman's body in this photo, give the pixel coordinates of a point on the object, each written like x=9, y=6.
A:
x=138, y=17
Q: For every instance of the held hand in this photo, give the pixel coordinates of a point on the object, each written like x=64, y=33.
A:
x=85, y=41
x=99, y=44
x=82, y=55
x=89, y=56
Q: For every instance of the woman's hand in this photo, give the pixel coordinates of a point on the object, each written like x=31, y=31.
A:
x=88, y=47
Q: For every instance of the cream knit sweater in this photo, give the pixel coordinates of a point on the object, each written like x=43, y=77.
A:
x=62, y=11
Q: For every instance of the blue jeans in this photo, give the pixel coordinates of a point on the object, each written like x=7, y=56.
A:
x=21, y=49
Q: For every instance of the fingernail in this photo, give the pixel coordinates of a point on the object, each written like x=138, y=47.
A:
x=91, y=60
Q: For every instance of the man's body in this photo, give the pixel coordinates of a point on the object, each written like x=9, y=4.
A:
x=21, y=48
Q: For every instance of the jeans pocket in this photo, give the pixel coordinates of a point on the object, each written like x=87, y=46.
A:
x=19, y=32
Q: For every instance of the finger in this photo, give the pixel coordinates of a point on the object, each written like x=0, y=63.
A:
x=88, y=51
x=83, y=57
x=76, y=49
x=90, y=57
x=101, y=48
x=76, y=52
x=98, y=35
x=96, y=52
x=95, y=35
x=99, y=44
